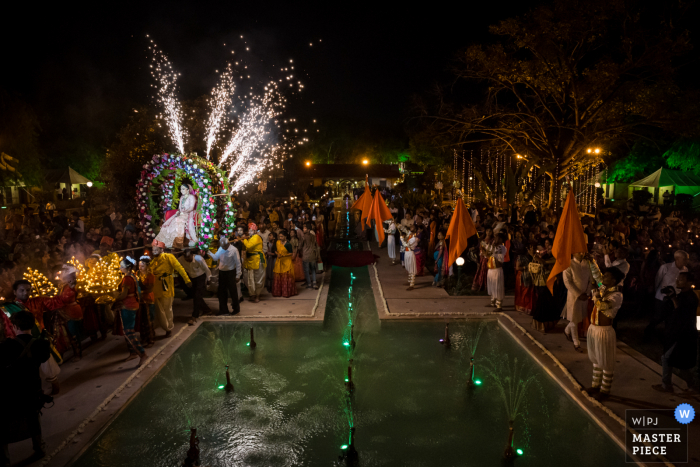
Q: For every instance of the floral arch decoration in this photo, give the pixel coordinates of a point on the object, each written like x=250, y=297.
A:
x=158, y=191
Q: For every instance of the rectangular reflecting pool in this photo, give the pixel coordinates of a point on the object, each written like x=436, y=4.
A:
x=410, y=407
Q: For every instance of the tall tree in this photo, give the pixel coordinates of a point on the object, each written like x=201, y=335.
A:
x=19, y=138
x=567, y=77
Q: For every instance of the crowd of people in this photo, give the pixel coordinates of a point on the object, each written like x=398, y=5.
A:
x=653, y=257
x=276, y=246
x=634, y=253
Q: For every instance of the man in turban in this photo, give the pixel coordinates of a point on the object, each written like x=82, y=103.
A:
x=255, y=263
x=163, y=266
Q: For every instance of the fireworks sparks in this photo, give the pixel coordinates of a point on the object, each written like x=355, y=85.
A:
x=220, y=101
x=257, y=141
x=162, y=71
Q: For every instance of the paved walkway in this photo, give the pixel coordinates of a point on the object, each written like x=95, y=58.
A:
x=634, y=373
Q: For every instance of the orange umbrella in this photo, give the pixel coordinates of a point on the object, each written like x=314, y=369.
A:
x=460, y=229
x=569, y=239
x=379, y=212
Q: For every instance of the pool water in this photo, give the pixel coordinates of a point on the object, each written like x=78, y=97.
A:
x=411, y=404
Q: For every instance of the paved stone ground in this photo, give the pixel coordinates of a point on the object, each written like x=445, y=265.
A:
x=634, y=373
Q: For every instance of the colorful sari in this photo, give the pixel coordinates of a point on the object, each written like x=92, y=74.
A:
x=483, y=269
x=283, y=284
x=298, y=263
x=524, y=287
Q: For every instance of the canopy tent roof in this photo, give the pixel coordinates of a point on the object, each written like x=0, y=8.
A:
x=67, y=176
x=667, y=177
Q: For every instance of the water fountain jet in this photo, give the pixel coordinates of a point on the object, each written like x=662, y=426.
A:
x=446, y=340
x=252, y=343
x=192, y=458
x=229, y=384
x=470, y=380
x=510, y=452
x=348, y=381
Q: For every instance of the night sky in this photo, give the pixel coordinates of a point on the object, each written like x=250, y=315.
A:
x=84, y=70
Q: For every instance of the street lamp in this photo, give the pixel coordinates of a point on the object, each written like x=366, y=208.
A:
x=460, y=263
x=89, y=184
x=365, y=161
x=308, y=164
x=593, y=150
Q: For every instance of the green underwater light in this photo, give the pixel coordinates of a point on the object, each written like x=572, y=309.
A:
x=477, y=382
x=248, y=344
x=519, y=451
x=221, y=387
x=346, y=343
x=344, y=447
x=346, y=380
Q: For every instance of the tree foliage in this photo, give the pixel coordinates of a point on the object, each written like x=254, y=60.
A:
x=567, y=77
x=19, y=138
x=684, y=155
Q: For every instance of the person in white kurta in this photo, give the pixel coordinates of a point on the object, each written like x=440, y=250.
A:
x=409, y=243
x=601, y=337
x=494, y=278
x=391, y=240
x=577, y=279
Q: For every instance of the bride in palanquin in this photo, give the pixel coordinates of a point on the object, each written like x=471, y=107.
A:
x=178, y=231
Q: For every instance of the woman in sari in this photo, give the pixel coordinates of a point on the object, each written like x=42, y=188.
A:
x=129, y=298
x=147, y=307
x=546, y=311
x=524, y=287
x=284, y=285
x=482, y=270
x=439, y=256
x=298, y=264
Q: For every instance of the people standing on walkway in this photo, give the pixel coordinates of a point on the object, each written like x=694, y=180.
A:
x=296, y=257
x=129, y=297
x=283, y=284
x=620, y=261
x=229, y=276
x=680, y=334
x=271, y=258
x=408, y=245
x=255, y=263
x=163, y=266
x=391, y=240
x=199, y=274
x=665, y=277
x=577, y=279
x=482, y=269
x=309, y=248
x=601, y=339
x=495, y=280
x=439, y=257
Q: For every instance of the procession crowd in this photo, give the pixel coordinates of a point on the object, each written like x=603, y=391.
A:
x=275, y=246
x=637, y=254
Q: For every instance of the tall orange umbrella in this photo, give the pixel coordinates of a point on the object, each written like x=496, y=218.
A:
x=460, y=229
x=364, y=202
x=568, y=240
x=379, y=212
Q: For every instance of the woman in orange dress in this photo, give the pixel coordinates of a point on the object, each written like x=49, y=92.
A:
x=283, y=283
x=129, y=300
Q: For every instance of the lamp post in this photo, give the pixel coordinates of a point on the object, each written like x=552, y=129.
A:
x=460, y=263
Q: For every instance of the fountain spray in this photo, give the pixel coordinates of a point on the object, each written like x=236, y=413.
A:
x=229, y=384
x=192, y=458
x=252, y=343
x=352, y=336
x=470, y=380
x=349, y=454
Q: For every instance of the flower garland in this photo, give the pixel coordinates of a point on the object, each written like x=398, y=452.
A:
x=164, y=174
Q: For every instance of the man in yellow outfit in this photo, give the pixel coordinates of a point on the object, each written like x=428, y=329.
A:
x=255, y=263
x=163, y=265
